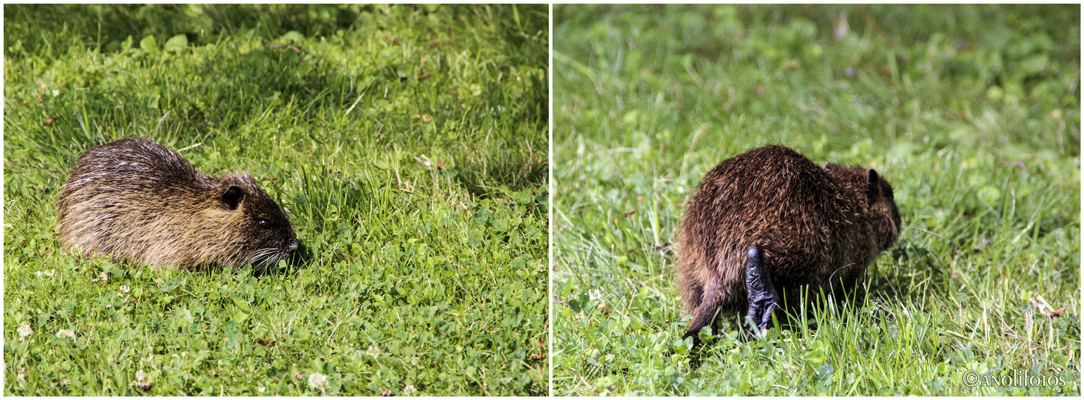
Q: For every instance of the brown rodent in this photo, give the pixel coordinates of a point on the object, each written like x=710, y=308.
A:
x=764, y=224
x=141, y=202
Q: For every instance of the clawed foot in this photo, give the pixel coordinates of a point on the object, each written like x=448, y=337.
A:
x=763, y=299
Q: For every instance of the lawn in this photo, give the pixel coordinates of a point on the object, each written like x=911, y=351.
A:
x=970, y=112
x=408, y=144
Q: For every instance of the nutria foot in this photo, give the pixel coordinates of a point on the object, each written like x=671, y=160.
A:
x=763, y=299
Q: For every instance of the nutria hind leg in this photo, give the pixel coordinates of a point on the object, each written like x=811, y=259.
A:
x=763, y=299
x=704, y=315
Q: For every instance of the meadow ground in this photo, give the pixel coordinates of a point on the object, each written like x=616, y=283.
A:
x=970, y=112
x=409, y=145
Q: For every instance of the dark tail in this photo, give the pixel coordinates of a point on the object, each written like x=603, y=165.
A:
x=705, y=314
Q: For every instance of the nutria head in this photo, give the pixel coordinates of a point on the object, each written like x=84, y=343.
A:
x=881, y=211
x=264, y=234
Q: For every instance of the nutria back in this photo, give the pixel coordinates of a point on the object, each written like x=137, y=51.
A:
x=138, y=201
x=809, y=226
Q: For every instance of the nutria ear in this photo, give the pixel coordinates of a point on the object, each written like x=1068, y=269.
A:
x=828, y=166
x=232, y=198
x=873, y=187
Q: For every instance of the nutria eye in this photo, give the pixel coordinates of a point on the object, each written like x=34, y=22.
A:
x=263, y=223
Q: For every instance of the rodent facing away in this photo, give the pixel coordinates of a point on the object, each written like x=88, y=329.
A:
x=141, y=202
x=768, y=222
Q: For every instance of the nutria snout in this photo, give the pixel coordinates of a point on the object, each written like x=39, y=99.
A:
x=141, y=202
x=767, y=223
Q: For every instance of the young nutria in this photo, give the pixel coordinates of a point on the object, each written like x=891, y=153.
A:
x=141, y=202
x=766, y=223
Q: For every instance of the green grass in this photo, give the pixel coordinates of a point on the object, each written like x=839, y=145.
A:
x=408, y=144
x=971, y=112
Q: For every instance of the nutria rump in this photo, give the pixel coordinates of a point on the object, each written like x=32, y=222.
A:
x=767, y=223
x=138, y=201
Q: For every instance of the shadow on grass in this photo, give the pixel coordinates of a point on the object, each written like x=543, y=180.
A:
x=200, y=23
x=843, y=308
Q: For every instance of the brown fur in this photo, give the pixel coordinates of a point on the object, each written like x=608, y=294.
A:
x=141, y=202
x=816, y=228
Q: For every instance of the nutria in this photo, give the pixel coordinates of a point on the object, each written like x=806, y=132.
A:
x=765, y=224
x=138, y=201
